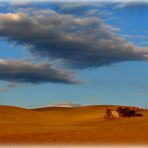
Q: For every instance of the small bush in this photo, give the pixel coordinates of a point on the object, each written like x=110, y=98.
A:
x=139, y=114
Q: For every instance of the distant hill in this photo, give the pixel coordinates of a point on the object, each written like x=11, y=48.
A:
x=66, y=105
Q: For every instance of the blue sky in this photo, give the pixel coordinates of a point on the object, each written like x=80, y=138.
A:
x=73, y=52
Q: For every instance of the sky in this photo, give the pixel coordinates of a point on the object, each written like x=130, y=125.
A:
x=79, y=52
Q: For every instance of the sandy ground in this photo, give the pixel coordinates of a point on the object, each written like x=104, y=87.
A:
x=83, y=125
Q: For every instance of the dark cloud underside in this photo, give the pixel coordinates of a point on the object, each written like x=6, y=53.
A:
x=25, y=72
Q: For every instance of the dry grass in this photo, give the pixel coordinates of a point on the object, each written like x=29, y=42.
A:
x=82, y=125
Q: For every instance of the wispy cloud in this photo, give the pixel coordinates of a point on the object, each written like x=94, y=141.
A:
x=9, y=86
x=132, y=4
x=135, y=36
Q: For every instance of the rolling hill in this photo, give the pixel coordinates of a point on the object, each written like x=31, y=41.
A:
x=75, y=125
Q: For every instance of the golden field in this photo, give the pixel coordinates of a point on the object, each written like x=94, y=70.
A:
x=58, y=125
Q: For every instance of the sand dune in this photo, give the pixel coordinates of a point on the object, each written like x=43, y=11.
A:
x=79, y=125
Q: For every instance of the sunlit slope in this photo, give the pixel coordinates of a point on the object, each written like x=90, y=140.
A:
x=80, y=125
x=83, y=113
x=15, y=120
x=76, y=116
x=20, y=120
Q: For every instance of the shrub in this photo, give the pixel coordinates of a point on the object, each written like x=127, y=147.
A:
x=139, y=114
x=126, y=112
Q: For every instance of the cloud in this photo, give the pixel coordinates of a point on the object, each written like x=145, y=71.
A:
x=26, y=72
x=134, y=5
x=9, y=86
x=135, y=36
x=85, y=42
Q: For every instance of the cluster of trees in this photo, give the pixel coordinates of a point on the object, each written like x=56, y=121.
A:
x=128, y=112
